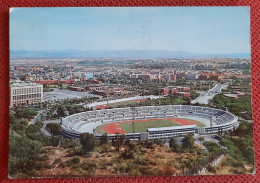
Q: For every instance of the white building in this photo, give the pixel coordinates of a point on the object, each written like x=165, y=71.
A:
x=25, y=93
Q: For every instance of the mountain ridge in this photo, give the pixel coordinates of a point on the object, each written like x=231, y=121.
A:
x=118, y=54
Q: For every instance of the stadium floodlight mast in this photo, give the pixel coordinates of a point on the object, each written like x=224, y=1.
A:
x=211, y=121
x=107, y=98
x=133, y=121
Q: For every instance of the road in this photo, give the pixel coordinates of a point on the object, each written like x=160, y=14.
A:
x=208, y=95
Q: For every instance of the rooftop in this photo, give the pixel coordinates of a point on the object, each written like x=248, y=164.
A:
x=171, y=128
x=23, y=84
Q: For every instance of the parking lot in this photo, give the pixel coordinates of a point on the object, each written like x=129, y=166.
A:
x=58, y=94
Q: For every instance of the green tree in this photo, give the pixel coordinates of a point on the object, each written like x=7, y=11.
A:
x=88, y=142
x=104, y=139
x=188, y=141
x=173, y=144
x=33, y=132
x=61, y=110
x=54, y=129
x=25, y=113
x=23, y=153
x=117, y=142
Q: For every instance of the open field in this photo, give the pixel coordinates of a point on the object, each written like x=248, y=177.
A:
x=142, y=125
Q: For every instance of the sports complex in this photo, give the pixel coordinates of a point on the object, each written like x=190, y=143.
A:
x=149, y=122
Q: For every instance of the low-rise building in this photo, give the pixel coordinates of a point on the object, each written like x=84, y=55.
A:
x=94, y=81
x=173, y=89
x=73, y=88
x=183, y=94
x=94, y=87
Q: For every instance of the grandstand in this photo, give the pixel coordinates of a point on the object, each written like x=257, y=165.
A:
x=215, y=120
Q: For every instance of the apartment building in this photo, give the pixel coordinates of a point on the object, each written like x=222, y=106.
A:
x=25, y=93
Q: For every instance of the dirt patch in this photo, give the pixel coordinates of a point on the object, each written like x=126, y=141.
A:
x=113, y=128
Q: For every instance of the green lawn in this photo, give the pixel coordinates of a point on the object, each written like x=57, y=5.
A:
x=100, y=130
x=198, y=124
x=141, y=126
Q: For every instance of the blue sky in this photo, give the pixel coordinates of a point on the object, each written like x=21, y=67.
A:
x=194, y=29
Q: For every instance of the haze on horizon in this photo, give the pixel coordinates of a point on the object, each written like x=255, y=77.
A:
x=207, y=30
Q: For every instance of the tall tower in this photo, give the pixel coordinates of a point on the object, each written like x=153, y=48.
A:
x=107, y=97
x=211, y=120
x=133, y=121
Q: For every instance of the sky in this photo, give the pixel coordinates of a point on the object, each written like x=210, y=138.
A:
x=208, y=30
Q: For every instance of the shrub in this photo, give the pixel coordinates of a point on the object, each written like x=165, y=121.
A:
x=166, y=170
x=211, y=169
x=105, y=148
x=39, y=124
x=75, y=160
x=89, y=166
x=123, y=168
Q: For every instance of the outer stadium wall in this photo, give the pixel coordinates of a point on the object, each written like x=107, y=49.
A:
x=220, y=121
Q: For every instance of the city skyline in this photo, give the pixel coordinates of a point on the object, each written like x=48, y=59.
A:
x=207, y=30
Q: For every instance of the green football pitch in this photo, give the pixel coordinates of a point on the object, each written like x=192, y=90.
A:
x=140, y=126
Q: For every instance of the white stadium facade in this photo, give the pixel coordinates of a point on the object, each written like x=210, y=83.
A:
x=215, y=120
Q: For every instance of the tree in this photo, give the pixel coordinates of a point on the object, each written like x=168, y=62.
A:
x=173, y=144
x=122, y=139
x=188, y=141
x=25, y=113
x=23, y=153
x=54, y=129
x=104, y=139
x=117, y=142
x=61, y=110
x=32, y=131
x=88, y=142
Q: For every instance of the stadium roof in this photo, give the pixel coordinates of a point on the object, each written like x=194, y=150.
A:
x=170, y=128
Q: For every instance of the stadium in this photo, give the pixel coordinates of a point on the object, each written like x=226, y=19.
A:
x=149, y=122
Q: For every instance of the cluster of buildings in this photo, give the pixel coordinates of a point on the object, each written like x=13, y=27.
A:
x=210, y=76
x=150, y=76
x=180, y=91
x=105, y=90
x=71, y=74
x=237, y=94
x=188, y=75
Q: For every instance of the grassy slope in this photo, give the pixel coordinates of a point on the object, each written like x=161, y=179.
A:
x=147, y=162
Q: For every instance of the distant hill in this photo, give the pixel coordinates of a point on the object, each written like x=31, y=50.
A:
x=119, y=54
